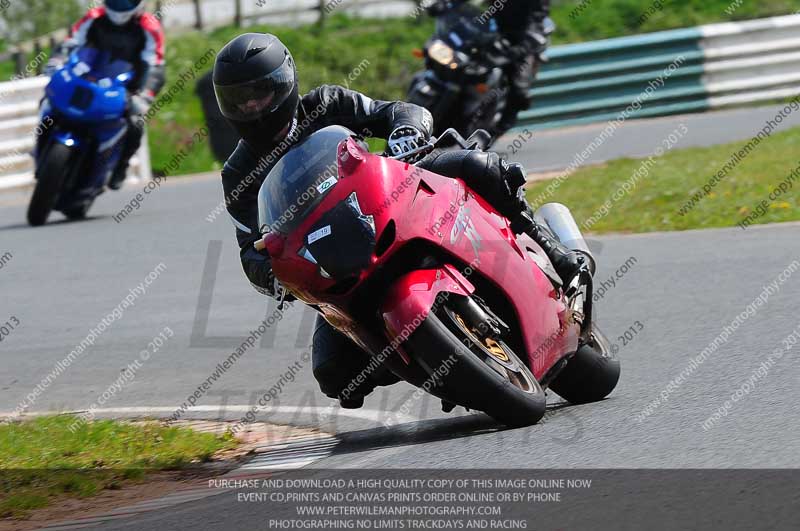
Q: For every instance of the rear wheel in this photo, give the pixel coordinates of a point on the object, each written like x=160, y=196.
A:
x=591, y=374
x=49, y=178
x=467, y=366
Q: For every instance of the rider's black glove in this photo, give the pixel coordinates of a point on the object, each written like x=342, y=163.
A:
x=406, y=139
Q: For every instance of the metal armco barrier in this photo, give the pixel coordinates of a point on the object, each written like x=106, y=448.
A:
x=19, y=117
x=715, y=66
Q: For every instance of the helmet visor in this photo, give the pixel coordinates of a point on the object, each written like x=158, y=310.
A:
x=122, y=5
x=246, y=102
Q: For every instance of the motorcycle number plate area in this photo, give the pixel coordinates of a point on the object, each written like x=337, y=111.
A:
x=319, y=234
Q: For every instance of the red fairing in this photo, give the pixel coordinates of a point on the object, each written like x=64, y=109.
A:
x=411, y=298
x=444, y=213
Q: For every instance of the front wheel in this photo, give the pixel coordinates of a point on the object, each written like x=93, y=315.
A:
x=50, y=175
x=468, y=367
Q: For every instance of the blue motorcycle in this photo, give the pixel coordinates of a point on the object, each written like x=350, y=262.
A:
x=85, y=104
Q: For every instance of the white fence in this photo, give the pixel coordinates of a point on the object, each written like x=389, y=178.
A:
x=19, y=117
x=215, y=13
x=752, y=61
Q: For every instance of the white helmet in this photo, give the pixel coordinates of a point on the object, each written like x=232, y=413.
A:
x=121, y=11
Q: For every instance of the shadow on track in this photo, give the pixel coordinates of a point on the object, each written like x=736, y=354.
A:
x=432, y=430
x=64, y=221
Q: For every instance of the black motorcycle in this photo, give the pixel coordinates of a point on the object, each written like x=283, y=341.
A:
x=464, y=85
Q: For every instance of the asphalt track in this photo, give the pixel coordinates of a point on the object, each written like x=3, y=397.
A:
x=554, y=149
x=683, y=288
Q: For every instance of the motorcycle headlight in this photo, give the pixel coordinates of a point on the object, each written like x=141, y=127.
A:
x=441, y=53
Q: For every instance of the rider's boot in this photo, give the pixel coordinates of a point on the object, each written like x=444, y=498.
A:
x=132, y=141
x=567, y=263
x=342, y=369
x=118, y=177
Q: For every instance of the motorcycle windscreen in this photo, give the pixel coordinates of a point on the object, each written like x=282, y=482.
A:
x=463, y=25
x=87, y=88
x=300, y=180
x=100, y=64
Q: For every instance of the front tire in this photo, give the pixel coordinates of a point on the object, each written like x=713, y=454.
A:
x=590, y=375
x=467, y=373
x=50, y=177
x=77, y=213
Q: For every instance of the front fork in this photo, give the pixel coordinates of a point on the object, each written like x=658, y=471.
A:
x=579, y=296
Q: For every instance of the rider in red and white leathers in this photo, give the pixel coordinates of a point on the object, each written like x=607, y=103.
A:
x=130, y=34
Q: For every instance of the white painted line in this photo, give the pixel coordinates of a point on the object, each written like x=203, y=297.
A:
x=373, y=415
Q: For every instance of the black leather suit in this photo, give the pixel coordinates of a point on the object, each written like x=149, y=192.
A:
x=521, y=22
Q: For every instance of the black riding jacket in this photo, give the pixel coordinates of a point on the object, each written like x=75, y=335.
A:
x=246, y=169
x=517, y=19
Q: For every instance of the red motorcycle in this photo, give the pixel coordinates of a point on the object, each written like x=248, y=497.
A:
x=429, y=279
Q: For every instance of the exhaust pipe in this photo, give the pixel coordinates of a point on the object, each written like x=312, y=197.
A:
x=559, y=220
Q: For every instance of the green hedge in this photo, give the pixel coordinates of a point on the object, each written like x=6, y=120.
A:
x=382, y=48
x=601, y=19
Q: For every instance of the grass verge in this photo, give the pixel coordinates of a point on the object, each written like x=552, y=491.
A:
x=42, y=459
x=660, y=187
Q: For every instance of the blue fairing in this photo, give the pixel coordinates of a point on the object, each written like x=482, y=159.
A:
x=87, y=100
x=90, y=87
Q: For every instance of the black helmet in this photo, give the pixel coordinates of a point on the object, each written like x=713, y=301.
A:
x=256, y=85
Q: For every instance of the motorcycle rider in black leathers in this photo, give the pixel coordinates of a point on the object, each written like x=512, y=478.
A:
x=255, y=81
x=123, y=28
x=522, y=22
